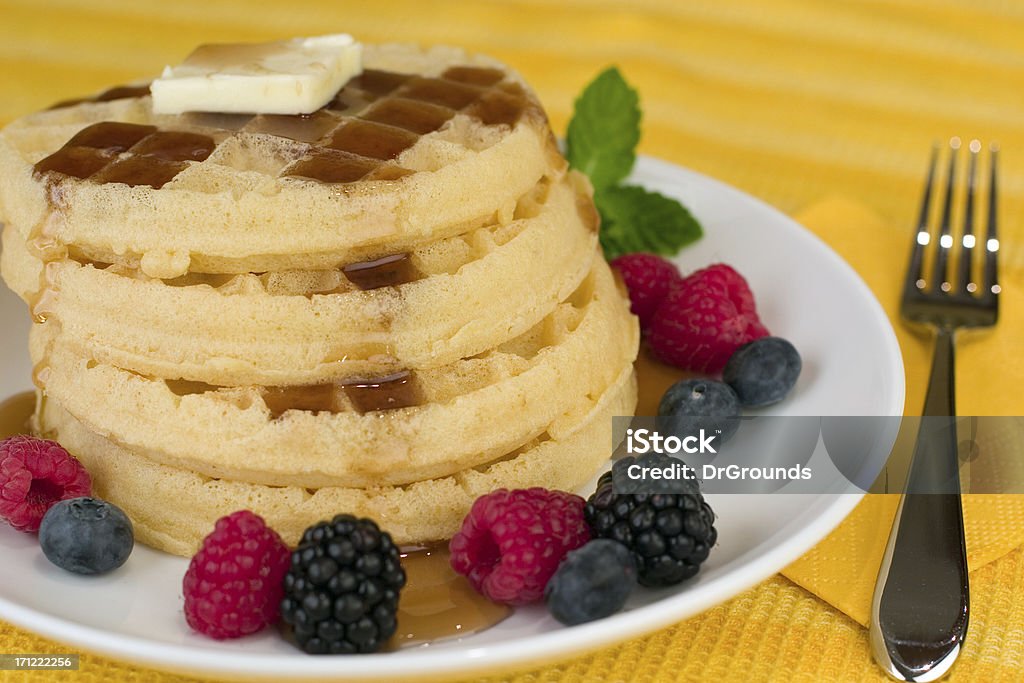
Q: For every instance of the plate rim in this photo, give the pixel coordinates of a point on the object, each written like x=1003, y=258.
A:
x=534, y=649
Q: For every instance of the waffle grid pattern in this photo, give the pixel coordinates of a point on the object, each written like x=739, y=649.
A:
x=357, y=136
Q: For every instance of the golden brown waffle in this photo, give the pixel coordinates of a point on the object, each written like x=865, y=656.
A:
x=173, y=509
x=388, y=307
x=439, y=421
x=425, y=309
x=422, y=145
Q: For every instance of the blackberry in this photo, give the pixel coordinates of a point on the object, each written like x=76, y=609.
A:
x=341, y=592
x=669, y=534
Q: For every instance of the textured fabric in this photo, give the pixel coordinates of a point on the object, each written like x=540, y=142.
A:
x=774, y=632
x=791, y=100
x=842, y=569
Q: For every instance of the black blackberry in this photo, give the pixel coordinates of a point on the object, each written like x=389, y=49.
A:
x=669, y=534
x=341, y=592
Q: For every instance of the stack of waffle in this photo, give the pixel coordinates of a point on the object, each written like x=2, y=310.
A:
x=388, y=307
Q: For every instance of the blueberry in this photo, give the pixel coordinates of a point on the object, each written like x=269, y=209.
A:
x=591, y=583
x=763, y=371
x=86, y=536
x=695, y=404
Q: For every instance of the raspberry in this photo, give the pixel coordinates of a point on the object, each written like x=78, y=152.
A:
x=648, y=279
x=704, y=319
x=511, y=542
x=35, y=474
x=234, y=584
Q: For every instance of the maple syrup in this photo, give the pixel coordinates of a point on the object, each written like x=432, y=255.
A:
x=155, y=158
x=15, y=412
x=653, y=379
x=473, y=75
x=330, y=166
x=374, y=140
x=438, y=604
x=311, y=397
x=389, y=271
x=397, y=390
x=298, y=127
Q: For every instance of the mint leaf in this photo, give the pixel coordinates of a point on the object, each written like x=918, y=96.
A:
x=604, y=130
x=634, y=219
x=601, y=142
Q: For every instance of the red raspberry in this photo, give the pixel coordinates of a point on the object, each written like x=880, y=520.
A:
x=234, y=584
x=704, y=319
x=35, y=474
x=511, y=542
x=648, y=279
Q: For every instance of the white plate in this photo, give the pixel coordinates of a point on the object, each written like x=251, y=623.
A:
x=805, y=292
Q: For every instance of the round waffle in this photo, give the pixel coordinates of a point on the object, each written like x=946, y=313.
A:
x=295, y=327
x=388, y=307
x=424, y=144
x=323, y=435
x=173, y=509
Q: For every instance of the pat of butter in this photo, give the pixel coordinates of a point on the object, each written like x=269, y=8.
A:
x=295, y=76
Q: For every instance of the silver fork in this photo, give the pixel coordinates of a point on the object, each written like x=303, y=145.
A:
x=920, y=608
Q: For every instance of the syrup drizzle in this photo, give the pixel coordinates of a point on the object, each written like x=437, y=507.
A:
x=399, y=390
x=117, y=152
x=311, y=397
x=388, y=271
x=438, y=604
x=15, y=413
x=653, y=379
x=391, y=392
x=44, y=244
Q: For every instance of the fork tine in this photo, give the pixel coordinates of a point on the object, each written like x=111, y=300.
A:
x=940, y=271
x=991, y=275
x=964, y=279
x=914, y=278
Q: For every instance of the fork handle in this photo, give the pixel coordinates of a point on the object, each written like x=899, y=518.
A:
x=920, y=606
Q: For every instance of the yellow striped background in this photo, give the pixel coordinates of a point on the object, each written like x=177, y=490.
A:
x=791, y=100
x=788, y=99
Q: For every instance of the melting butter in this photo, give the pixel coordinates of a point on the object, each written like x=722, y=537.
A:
x=296, y=76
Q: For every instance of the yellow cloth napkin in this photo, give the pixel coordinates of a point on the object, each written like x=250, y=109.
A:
x=842, y=569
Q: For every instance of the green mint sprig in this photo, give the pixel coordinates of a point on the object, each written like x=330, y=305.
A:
x=601, y=142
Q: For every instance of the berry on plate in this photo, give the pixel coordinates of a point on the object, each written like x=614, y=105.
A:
x=86, y=536
x=341, y=593
x=34, y=475
x=592, y=582
x=694, y=404
x=669, y=534
x=511, y=542
x=648, y=279
x=233, y=584
x=763, y=371
x=704, y=319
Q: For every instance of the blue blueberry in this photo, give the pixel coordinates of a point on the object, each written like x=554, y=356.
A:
x=763, y=371
x=592, y=582
x=695, y=404
x=86, y=536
